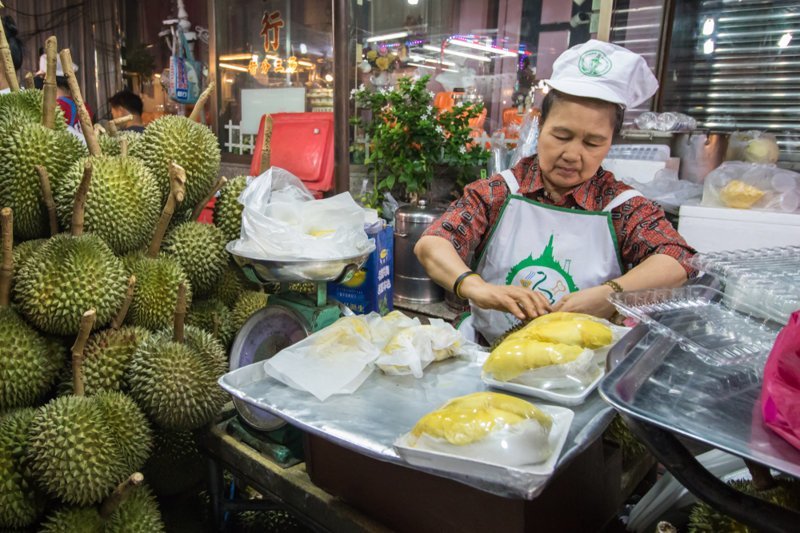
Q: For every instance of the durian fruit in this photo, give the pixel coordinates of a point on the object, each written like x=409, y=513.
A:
x=20, y=503
x=566, y=328
x=200, y=250
x=24, y=250
x=228, y=210
x=71, y=273
x=29, y=363
x=214, y=317
x=274, y=521
x=248, y=303
x=515, y=356
x=173, y=376
x=123, y=203
x=175, y=464
x=158, y=276
x=81, y=447
x=25, y=107
x=130, y=509
x=231, y=285
x=705, y=519
x=473, y=417
x=181, y=140
x=112, y=145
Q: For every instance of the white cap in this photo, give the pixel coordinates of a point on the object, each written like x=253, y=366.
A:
x=596, y=69
x=59, y=67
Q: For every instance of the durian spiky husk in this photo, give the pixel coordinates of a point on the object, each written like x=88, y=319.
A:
x=74, y=520
x=705, y=519
x=111, y=145
x=20, y=503
x=176, y=464
x=123, y=204
x=231, y=285
x=67, y=276
x=26, y=107
x=73, y=455
x=228, y=210
x=107, y=355
x=23, y=251
x=21, y=148
x=128, y=426
x=156, y=293
x=176, y=383
x=29, y=363
x=189, y=144
x=203, y=314
x=200, y=250
x=248, y=303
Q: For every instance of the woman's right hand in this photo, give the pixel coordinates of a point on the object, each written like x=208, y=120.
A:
x=520, y=302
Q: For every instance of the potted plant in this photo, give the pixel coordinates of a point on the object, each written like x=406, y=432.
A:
x=410, y=142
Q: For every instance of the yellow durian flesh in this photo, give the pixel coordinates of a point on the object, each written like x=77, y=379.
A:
x=516, y=356
x=567, y=328
x=740, y=195
x=471, y=418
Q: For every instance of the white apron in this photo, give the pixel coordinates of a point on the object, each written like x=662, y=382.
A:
x=553, y=250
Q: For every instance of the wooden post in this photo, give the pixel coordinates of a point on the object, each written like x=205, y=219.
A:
x=83, y=114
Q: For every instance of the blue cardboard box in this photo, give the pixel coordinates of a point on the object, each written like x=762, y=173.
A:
x=372, y=287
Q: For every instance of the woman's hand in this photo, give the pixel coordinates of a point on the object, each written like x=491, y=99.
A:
x=593, y=301
x=520, y=302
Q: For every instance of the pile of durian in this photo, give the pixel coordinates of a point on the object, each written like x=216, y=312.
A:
x=116, y=311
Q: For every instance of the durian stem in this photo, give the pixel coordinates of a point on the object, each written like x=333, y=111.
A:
x=50, y=88
x=113, y=123
x=204, y=202
x=180, y=315
x=29, y=83
x=47, y=197
x=201, y=101
x=87, y=322
x=266, y=150
x=177, y=191
x=7, y=61
x=83, y=114
x=118, y=320
x=7, y=269
x=762, y=477
x=120, y=494
x=79, y=205
x=123, y=147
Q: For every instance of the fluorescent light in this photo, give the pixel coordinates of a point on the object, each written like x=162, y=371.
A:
x=708, y=26
x=708, y=46
x=432, y=60
x=420, y=65
x=456, y=53
x=387, y=37
x=233, y=67
x=235, y=57
x=308, y=64
x=303, y=48
x=413, y=2
x=785, y=39
x=482, y=47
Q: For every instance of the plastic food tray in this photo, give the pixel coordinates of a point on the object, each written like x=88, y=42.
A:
x=571, y=396
x=718, y=329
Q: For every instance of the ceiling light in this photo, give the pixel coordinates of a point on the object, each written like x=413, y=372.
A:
x=708, y=26
x=328, y=77
x=233, y=67
x=785, y=39
x=413, y=2
x=308, y=64
x=431, y=60
x=708, y=46
x=482, y=47
x=235, y=57
x=303, y=48
x=456, y=53
x=387, y=37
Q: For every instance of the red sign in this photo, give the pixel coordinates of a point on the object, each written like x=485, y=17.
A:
x=271, y=24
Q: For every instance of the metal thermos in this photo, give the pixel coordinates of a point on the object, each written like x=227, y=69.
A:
x=411, y=283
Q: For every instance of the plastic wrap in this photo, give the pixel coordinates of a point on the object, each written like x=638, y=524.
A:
x=667, y=189
x=668, y=121
x=743, y=185
x=282, y=220
x=528, y=139
x=753, y=146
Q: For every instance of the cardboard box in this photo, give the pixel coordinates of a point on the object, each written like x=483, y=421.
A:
x=372, y=287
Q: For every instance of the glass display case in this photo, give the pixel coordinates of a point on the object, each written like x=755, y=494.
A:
x=270, y=56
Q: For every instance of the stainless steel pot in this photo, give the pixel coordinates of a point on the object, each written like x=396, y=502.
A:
x=411, y=283
x=700, y=153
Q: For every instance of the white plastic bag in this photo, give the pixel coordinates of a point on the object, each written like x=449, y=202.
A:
x=752, y=186
x=335, y=360
x=282, y=220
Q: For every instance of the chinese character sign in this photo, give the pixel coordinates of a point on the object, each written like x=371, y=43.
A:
x=271, y=24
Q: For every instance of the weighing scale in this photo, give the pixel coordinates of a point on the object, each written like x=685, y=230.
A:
x=289, y=317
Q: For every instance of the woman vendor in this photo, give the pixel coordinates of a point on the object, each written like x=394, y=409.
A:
x=557, y=232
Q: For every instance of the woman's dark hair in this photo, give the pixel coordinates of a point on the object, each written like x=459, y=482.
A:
x=554, y=96
x=14, y=44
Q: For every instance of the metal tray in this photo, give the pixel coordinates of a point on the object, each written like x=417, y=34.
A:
x=661, y=382
x=715, y=327
x=262, y=270
x=385, y=407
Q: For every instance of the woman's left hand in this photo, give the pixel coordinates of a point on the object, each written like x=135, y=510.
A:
x=593, y=301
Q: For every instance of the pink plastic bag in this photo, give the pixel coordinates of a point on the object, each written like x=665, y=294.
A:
x=780, y=393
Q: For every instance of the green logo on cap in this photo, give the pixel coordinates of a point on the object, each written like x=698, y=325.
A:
x=594, y=63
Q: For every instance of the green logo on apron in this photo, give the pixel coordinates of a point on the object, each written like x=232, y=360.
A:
x=594, y=63
x=543, y=274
